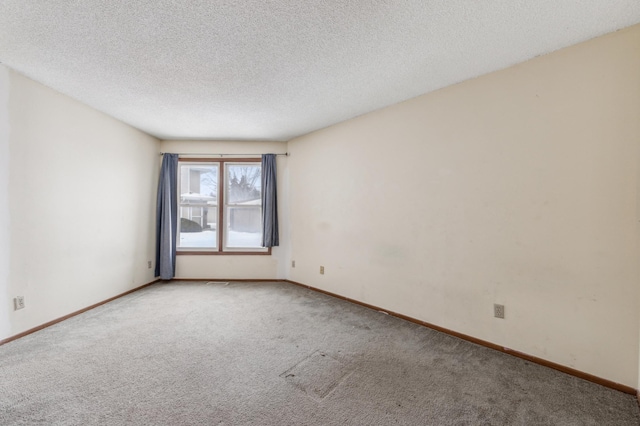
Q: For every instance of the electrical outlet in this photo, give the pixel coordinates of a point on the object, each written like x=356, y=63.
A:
x=498, y=311
x=18, y=302
x=293, y=263
x=148, y=264
x=322, y=270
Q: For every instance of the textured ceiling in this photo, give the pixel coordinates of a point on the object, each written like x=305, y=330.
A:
x=276, y=69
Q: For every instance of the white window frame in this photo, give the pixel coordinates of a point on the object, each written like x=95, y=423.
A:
x=222, y=210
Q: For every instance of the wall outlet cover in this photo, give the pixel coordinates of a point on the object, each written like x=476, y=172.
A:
x=498, y=311
x=18, y=302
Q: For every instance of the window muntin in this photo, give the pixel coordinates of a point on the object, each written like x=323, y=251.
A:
x=220, y=207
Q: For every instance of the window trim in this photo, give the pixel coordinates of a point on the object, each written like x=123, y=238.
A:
x=221, y=205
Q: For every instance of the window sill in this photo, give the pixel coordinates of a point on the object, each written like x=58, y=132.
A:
x=223, y=253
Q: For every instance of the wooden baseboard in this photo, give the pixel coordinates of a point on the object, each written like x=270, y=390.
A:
x=568, y=370
x=73, y=314
x=246, y=280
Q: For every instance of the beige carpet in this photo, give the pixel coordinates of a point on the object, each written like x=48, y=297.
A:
x=276, y=354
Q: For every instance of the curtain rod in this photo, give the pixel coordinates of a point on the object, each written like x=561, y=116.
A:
x=221, y=155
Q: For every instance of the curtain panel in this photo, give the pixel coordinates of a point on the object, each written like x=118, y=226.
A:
x=167, y=218
x=269, y=202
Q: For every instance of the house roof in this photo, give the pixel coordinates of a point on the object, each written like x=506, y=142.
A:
x=274, y=70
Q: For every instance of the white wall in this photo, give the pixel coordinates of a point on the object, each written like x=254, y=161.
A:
x=82, y=192
x=5, y=299
x=519, y=187
x=240, y=266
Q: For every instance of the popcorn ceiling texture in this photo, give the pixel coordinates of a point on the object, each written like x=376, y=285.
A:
x=274, y=70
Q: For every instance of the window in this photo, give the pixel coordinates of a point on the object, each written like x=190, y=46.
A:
x=220, y=207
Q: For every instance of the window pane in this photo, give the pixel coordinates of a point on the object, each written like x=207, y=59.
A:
x=243, y=220
x=244, y=227
x=198, y=206
x=244, y=184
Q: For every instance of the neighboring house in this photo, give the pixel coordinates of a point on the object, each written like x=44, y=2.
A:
x=195, y=206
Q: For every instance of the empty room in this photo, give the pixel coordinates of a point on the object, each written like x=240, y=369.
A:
x=320, y=213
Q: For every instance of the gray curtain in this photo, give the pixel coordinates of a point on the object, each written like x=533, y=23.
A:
x=269, y=202
x=167, y=218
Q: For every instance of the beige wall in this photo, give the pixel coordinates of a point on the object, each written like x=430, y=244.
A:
x=519, y=188
x=5, y=298
x=81, y=196
x=240, y=266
